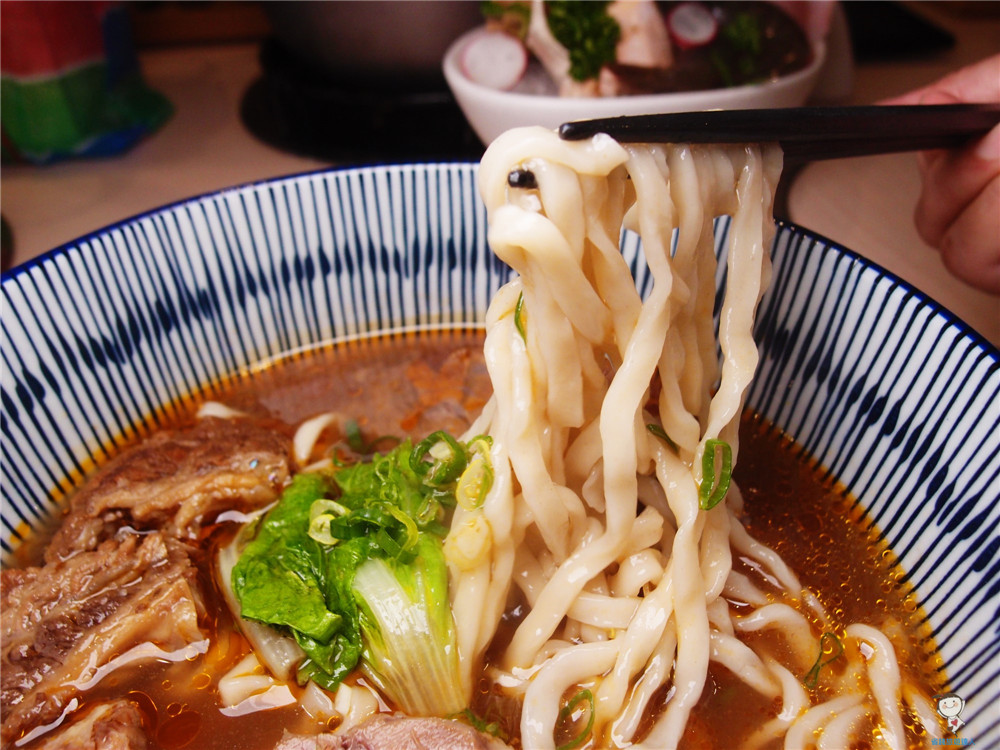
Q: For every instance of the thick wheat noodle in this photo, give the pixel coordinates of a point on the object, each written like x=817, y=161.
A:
x=741, y=660
x=655, y=676
x=924, y=710
x=883, y=674
x=638, y=644
x=594, y=520
x=794, y=702
x=566, y=668
x=838, y=731
x=790, y=622
x=739, y=588
x=804, y=729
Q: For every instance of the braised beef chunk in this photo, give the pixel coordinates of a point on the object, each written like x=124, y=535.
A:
x=385, y=732
x=176, y=480
x=109, y=726
x=61, y=625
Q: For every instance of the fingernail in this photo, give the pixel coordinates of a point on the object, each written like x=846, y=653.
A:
x=939, y=97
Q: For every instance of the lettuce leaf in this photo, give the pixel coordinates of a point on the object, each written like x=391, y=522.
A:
x=385, y=518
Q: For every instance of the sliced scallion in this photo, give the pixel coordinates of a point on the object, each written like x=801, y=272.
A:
x=357, y=443
x=321, y=513
x=479, y=724
x=519, y=317
x=655, y=429
x=447, y=459
x=811, y=678
x=567, y=711
x=477, y=479
x=352, y=430
x=409, y=526
x=713, y=489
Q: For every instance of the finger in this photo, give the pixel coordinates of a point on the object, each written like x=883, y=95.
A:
x=970, y=247
x=912, y=97
x=979, y=82
x=951, y=181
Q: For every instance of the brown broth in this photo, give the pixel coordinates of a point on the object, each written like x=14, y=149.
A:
x=815, y=525
x=412, y=385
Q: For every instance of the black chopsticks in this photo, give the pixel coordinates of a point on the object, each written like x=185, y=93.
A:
x=806, y=133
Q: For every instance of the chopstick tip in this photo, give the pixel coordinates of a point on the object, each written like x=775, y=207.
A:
x=569, y=131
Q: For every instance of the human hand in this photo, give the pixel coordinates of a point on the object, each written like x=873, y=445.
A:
x=959, y=207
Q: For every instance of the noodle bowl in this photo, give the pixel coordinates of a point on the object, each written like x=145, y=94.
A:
x=605, y=410
x=615, y=583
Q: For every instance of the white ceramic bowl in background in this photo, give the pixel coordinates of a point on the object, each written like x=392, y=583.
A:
x=490, y=111
x=890, y=392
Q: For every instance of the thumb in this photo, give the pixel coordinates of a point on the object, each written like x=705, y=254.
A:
x=937, y=96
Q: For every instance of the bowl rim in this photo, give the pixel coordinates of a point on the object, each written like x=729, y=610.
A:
x=50, y=255
x=457, y=79
x=467, y=169
x=70, y=244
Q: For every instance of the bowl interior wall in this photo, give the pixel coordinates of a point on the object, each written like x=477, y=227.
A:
x=102, y=339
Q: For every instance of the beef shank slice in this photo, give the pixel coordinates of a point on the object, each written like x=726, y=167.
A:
x=174, y=481
x=61, y=625
x=397, y=732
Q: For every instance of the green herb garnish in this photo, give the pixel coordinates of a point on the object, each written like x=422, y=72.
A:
x=357, y=443
x=567, y=711
x=439, y=459
x=491, y=728
x=657, y=430
x=519, y=317
x=587, y=32
x=811, y=678
x=713, y=489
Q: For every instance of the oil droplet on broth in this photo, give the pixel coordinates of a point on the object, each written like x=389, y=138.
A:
x=180, y=730
x=201, y=681
x=146, y=707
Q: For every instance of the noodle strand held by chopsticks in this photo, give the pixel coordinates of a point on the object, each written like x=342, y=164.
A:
x=604, y=403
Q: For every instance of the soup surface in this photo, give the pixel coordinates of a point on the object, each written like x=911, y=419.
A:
x=415, y=384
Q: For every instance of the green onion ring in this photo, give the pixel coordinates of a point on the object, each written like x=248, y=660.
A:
x=710, y=491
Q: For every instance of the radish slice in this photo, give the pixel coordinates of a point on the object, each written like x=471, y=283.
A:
x=494, y=59
x=692, y=25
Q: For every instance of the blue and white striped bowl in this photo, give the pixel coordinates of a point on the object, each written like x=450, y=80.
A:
x=102, y=338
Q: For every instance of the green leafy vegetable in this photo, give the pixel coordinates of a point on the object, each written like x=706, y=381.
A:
x=712, y=490
x=836, y=648
x=352, y=566
x=282, y=579
x=587, y=32
x=410, y=651
x=282, y=549
x=743, y=36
